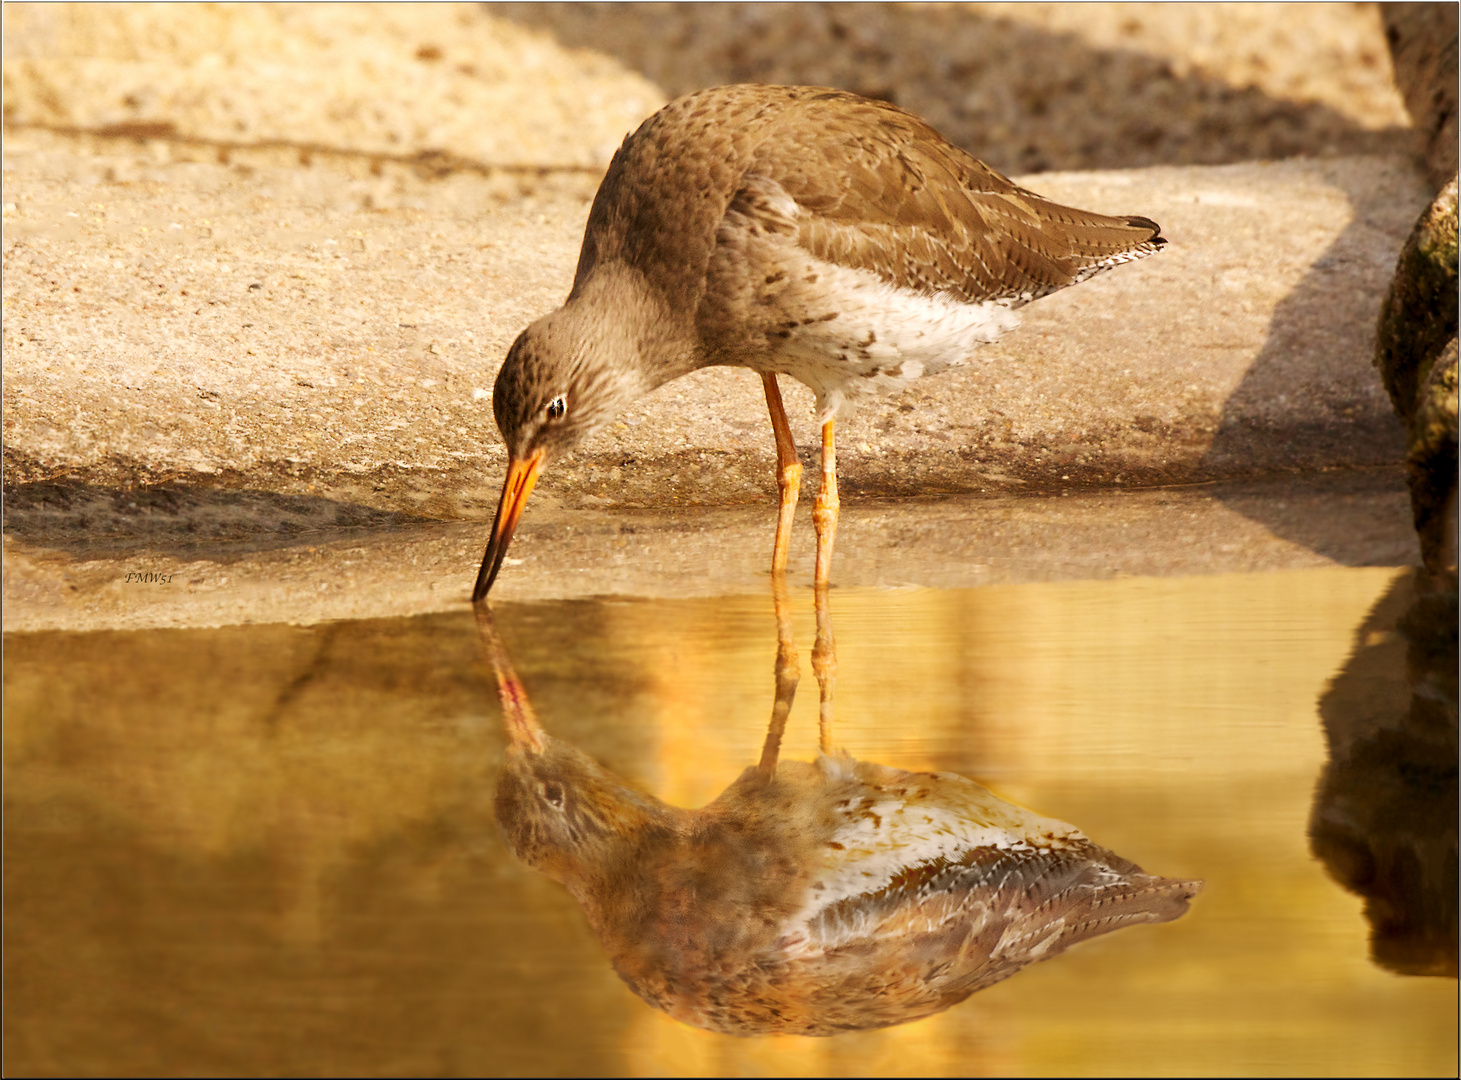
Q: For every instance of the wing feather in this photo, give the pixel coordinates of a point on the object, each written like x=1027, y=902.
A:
x=880, y=190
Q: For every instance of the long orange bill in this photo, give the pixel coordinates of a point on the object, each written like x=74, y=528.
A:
x=517, y=712
x=522, y=474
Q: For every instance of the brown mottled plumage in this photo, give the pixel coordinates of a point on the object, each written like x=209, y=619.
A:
x=794, y=230
x=809, y=898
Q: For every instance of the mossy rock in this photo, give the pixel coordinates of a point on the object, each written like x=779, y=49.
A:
x=1431, y=462
x=1416, y=354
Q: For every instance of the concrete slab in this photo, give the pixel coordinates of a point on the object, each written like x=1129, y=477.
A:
x=271, y=332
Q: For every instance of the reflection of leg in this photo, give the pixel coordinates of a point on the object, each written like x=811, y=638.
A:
x=788, y=472
x=788, y=674
x=824, y=510
x=824, y=667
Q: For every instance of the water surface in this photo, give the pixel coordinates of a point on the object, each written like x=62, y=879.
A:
x=270, y=849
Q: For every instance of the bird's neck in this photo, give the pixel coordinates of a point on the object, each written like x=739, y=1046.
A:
x=632, y=326
x=611, y=878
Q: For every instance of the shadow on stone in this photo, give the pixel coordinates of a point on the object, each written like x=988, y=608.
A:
x=173, y=519
x=974, y=77
x=427, y=164
x=1354, y=516
x=1350, y=423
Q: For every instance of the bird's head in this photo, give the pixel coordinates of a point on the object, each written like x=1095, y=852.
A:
x=549, y=395
x=567, y=816
x=563, y=379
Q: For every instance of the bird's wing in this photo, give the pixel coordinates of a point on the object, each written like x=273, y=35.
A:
x=942, y=932
x=880, y=190
x=913, y=852
x=985, y=908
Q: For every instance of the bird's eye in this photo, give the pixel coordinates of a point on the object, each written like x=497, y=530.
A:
x=553, y=794
x=557, y=408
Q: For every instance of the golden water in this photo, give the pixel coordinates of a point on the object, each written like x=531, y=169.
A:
x=271, y=849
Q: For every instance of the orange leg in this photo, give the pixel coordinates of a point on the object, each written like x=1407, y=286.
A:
x=788, y=472
x=824, y=511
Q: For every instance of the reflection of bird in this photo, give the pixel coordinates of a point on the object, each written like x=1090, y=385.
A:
x=793, y=230
x=809, y=898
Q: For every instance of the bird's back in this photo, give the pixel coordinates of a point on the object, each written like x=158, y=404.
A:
x=875, y=189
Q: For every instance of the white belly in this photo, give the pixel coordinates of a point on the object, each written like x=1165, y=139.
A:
x=771, y=305
x=877, y=338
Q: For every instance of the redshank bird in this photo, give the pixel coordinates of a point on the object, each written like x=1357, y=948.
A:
x=792, y=230
x=809, y=898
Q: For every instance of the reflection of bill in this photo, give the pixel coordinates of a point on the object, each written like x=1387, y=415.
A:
x=1384, y=819
x=809, y=898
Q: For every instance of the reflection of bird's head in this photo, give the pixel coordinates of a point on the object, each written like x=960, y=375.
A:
x=564, y=814
x=560, y=811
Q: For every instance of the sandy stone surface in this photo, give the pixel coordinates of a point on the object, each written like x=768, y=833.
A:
x=369, y=79
x=261, y=262
x=274, y=335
